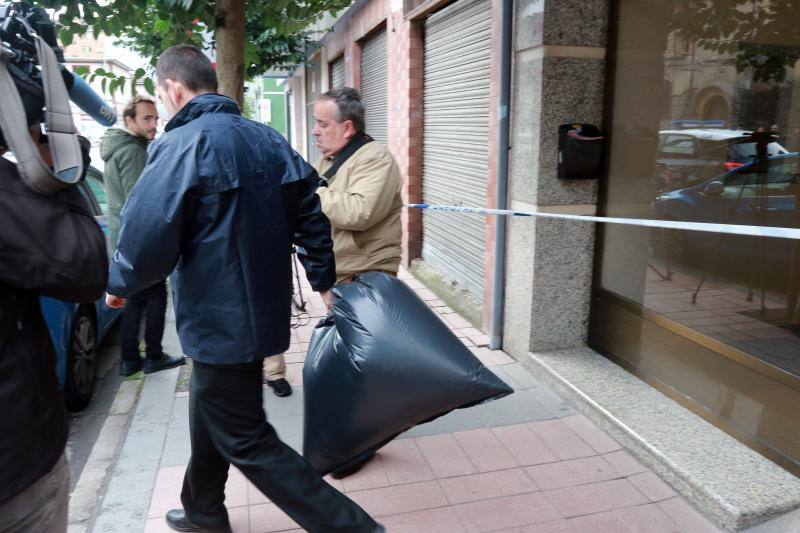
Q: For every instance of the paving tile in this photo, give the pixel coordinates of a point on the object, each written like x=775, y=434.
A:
x=561, y=440
x=297, y=357
x=479, y=340
x=485, y=486
x=595, y=498
x=652, y=486
x=556, y=526
x=517, y=408
x=426, y=294
x=400, y=498
x=595, y=437
x=522, y=378
x=239, y=519
x=606, y=522
x=459, y=322
x=177, y=447
x=294, y=374
x=647, y=519
x=526, y=448
x=553, y=402
x=457, y=420
x=167, y=491
x=508, y=512
x=687, y=517
x=157, y=525
x=570, y=473
x=444, y=455
x=485, y=450
x=371, y=476
x=443, y=520
x=284, y=407
x=404, y=463
x=236, y=489
x=268, y=518
x=624, y=463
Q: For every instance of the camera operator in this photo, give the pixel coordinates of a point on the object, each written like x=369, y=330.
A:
x=50, y=245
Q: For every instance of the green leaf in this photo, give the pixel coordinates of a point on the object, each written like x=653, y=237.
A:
x=149, y=86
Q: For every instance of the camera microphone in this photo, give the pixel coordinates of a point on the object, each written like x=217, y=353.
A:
x=83, y=96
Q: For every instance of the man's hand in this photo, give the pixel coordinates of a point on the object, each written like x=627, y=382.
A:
x=115, y=302
x=327, y=299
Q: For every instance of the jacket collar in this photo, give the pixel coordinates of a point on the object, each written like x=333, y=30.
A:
x=200, y=105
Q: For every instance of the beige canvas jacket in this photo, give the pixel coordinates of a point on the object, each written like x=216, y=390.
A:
x=363, y=203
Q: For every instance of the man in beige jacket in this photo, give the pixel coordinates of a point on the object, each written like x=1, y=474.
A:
x=360, y=188
x=360, y=195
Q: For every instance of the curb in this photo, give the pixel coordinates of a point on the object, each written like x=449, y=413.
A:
x=85, y=498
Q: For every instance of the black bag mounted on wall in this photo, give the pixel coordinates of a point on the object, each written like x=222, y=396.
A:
x=580, y=152
x=379, y=364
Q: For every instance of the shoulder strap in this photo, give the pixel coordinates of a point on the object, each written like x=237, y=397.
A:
x=346, y=153
x=61, y=131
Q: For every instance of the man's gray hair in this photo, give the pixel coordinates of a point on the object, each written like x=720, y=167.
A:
x=348, y=100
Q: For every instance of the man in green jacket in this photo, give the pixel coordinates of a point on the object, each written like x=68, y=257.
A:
x=125, y=154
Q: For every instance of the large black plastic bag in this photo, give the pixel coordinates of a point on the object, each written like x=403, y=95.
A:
x=379, y=364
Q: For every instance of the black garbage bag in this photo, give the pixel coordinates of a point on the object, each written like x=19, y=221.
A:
x=379, y=364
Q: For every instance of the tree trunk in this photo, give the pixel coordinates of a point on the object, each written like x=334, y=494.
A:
x=230, y=37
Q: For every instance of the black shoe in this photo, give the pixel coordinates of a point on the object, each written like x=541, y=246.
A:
x=164, y=362
x=352, y=469
x=280, y=387
x=176, y=519
x=129, y=368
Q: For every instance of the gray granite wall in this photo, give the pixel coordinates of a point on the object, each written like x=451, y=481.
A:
x=559, y=78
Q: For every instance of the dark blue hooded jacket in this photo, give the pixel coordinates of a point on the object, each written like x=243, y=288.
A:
x=220, y=202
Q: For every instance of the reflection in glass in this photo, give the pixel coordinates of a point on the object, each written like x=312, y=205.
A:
x=706, y=127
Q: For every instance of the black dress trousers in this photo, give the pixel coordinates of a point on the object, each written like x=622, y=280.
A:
x=228, y=424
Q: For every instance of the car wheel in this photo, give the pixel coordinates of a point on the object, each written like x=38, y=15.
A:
x=81, y=361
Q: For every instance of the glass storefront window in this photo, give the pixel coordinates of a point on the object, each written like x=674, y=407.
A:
x=705, y=127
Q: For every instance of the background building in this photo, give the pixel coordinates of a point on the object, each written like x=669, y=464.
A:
x=685, y=345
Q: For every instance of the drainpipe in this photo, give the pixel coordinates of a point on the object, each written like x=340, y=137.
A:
x=499, y=273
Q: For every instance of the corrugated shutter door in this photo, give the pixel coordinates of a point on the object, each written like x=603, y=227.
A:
x=374, y=87
x=455, y=139
x=337, y=73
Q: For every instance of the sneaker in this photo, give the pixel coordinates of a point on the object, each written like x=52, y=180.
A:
x=128, y=368
x=280, y=387
x=164, y=362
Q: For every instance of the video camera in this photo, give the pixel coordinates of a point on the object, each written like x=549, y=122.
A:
x=32, y=63
x=19, y=24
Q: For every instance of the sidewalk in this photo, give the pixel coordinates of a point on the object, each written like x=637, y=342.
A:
x=526, y=463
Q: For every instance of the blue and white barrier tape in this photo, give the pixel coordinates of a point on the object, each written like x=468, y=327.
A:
x=729, y=229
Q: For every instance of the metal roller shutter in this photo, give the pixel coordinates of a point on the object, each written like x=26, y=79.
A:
x=337, y=73
x=374, y=87
x=456, y=138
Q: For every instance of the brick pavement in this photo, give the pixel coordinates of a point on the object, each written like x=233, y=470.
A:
x=526, y=463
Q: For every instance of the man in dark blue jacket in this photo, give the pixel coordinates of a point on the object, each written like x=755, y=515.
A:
x=221, y=201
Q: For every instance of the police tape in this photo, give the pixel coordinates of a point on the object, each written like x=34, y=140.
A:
x=729, y=229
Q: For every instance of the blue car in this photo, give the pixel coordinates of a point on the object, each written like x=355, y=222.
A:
x=78, y=329
x=744, y=196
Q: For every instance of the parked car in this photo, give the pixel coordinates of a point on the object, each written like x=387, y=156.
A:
x=744, y=195
x=687, y=157
x=78, y=329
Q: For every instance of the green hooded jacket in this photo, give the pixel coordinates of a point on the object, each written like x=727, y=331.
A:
x=125, y=155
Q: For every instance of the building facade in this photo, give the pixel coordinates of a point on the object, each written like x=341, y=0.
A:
x=677, y=341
